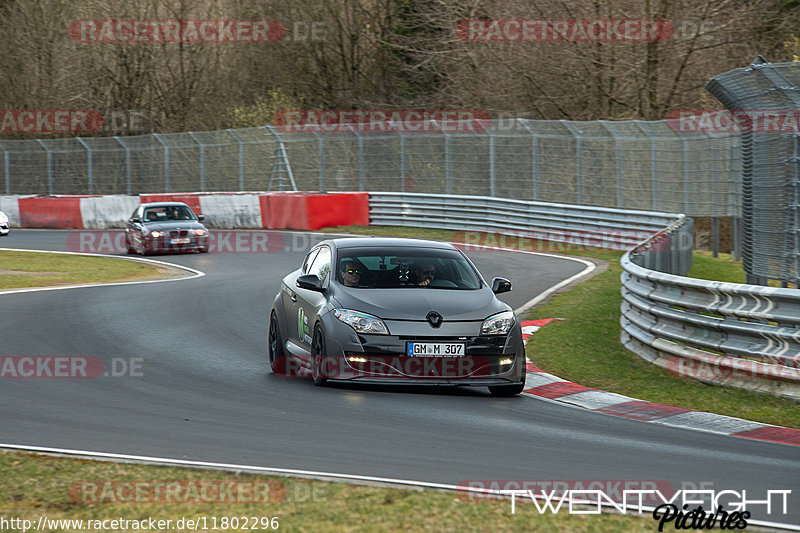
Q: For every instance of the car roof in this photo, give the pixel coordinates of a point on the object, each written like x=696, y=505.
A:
x=381, y=242
x=162, y=204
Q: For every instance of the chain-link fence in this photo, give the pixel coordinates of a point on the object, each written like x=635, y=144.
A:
x=633, y=164
x=770, y=152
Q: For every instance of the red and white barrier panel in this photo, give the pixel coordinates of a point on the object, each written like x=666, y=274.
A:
x=296, y=210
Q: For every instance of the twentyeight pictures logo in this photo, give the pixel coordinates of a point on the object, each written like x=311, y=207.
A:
x=176, y=31
x=379, y=120
x=567, y=30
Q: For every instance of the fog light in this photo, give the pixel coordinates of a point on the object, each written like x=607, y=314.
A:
x=506, y=361
x=354, y=359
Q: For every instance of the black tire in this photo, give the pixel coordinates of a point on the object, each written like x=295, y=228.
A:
x=507, y=390
x=317, y=356
x=203, y=250
x=277, y=357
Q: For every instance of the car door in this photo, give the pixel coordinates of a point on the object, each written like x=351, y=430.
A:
x=310, y=302
x=289, y=301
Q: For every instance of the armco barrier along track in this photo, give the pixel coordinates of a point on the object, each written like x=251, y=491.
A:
x=724, y=333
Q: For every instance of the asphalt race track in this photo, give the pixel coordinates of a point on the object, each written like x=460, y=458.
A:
x=205, y=393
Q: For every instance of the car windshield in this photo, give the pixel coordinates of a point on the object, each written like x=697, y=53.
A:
x=394, y=268
x=168, y=212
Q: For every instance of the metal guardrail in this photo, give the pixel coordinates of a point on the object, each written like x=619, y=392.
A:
x=746, y=336
x=723, y=333
x=596, y=227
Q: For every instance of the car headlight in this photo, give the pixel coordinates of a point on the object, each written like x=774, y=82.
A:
x=156, y=234
x=361, y=322
x=199, y=232
x=499, y=324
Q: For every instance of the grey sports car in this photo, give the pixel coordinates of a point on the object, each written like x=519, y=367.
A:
x=399, y=311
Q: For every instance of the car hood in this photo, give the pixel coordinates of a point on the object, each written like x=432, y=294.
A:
x=414, y=304
x=169, y=225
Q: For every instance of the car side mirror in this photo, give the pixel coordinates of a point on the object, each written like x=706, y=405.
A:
x=135, y=220
x=201, y=217
x=310, y=282
x=500, y=285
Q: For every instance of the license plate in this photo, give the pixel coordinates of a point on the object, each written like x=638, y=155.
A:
x=435, y=349
x=179, y=241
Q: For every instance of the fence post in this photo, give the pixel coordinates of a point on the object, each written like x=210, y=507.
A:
x=241, y=158
x=448, y=164
x=491, y=162
x=360, y=158
x=617, y=161
x=714, y=199
x=49, y=166
x=166, y=160
x=88, y=164
x=578, y=162
x=202, y=162
x=402, y=160
x=6, y=168
x=321, y=160
x=127, y=166
x=687, y=193
x=534, y=157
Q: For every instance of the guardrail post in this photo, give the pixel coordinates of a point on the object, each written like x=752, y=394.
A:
x=88, y=164
x=166, y=160
x=202, y=162
x=241, y=158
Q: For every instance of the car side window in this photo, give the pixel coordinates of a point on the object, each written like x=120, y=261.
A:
x=308, y=260
x=321, y=267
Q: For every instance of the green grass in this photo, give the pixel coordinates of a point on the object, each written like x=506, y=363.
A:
x=38, y=269
x=35, y=486
x=722, y=268
x=584, y=346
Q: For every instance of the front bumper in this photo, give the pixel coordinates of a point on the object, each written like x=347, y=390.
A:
x=488, y=360
x=167, y=244
x=4, y=228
